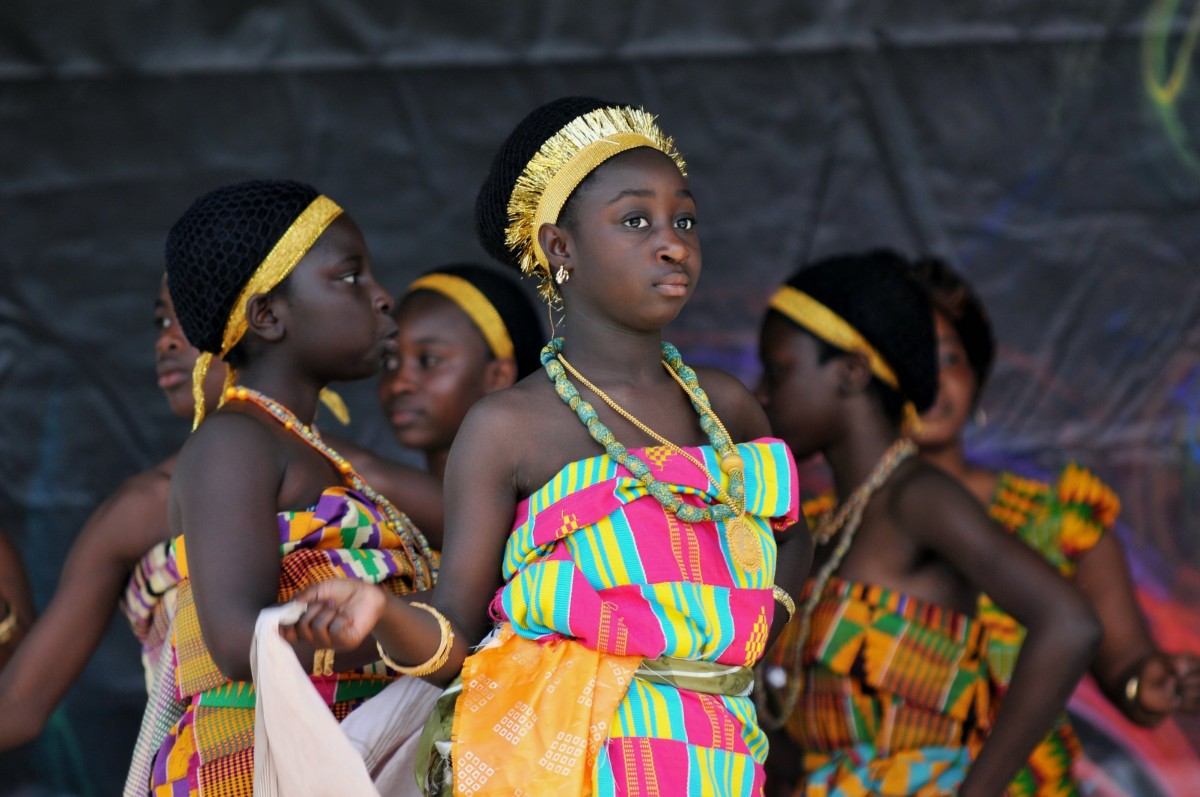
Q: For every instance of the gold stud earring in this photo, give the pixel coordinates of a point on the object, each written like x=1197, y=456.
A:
x=562, y=275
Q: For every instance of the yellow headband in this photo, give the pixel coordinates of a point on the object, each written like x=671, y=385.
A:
x=837, y=331
x=831, y=328
x=275, y=267
x=472, y=302
x=561, y=164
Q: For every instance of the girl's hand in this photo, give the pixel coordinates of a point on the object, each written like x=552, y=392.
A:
x=1187, y=681
x=1169, y=683
x=340, y=614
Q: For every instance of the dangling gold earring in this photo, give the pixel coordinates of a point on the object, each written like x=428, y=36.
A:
x=562, y=275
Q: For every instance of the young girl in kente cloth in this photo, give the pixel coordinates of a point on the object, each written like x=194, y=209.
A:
x=882, y=684
x=275, y=279
x=620, y=515
x=1068, y=522
x=464, y=331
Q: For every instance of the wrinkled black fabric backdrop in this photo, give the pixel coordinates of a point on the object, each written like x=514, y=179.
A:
x=1048, y=148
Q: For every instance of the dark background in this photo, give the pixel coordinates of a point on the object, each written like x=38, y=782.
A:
x=1047, y=148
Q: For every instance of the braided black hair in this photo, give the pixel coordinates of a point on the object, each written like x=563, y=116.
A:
x=218, y=244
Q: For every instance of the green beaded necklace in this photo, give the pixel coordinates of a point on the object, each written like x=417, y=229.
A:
x=640, y=470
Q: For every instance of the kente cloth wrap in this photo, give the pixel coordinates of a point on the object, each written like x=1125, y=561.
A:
x=1061, y=521
x=209, y=751
x=896, y=698
x=599, y=577
x=149, y=604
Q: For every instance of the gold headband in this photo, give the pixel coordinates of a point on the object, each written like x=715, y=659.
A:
x=275, y=267
x=561, y=164
x=831, y=328
x=472, y=302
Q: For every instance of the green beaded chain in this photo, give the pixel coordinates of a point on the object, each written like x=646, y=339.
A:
x=640, y=470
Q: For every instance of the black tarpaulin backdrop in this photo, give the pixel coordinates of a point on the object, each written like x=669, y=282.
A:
x=1048, y=148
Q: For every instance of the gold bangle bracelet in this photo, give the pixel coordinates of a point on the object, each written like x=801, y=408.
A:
x=8, y=626
x=437, y=660
x=322, y=662
x=785, y=599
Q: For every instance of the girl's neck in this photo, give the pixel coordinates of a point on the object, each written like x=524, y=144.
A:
x=606, y=352
x=951, y=458
x=297, y=395
x=854, y=456
x=435, y=462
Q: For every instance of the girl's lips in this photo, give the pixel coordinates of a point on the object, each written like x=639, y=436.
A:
x=403, y=417
x=672, y=289
x=171, y=379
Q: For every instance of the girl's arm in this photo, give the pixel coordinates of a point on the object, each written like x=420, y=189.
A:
x=1165, y=683
x=1063, y=632
x=96, y=571
x=480, y=506
x=224, y=499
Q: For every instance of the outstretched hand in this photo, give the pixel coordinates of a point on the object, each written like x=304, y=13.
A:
x=340, y=614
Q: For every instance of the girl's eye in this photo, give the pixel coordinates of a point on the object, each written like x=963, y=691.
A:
x=162, y=323
x=351, y=278
x=685, y=224
x=637, y=222
x=949, y=358
x=429, y=360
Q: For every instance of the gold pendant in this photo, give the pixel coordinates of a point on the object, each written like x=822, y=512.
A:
x=744, y=545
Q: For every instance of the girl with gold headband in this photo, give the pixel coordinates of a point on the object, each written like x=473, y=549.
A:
x=608, y=512
x=276, y=280
x=882, y=687
x=465, y=331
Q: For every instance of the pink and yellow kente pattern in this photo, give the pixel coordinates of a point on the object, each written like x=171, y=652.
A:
x=599, y=577
x=210, y=751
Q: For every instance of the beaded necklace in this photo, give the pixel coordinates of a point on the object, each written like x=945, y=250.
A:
x=742, y=539
x=846, y=519
x=416, y=547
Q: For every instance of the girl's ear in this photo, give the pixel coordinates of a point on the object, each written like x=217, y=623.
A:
x=266, y=316
x=854, y=374
x=556, y=243
x=499, y=374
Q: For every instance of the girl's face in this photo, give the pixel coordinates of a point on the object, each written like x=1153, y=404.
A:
x=174, y=359
x=799, y=393
x=339, y=322
x=440, y=368
x=942, y=425
x=633, y=243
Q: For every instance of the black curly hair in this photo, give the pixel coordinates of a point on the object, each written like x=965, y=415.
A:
x=953, y=297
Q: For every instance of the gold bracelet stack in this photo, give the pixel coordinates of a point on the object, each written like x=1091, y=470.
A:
x=786, y=600
x=434, y=662
x=322, y=662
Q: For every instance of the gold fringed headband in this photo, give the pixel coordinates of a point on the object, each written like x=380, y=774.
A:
x=477, y=307
x=561, y=164
x=275, y=267
x=837, y=331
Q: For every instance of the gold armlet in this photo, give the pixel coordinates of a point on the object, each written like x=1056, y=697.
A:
x=437, y=660
x=322, y=662
x=786, y=600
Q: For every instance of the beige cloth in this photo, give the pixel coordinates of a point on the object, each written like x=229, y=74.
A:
x=300, y=749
